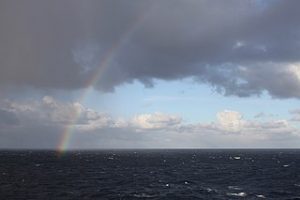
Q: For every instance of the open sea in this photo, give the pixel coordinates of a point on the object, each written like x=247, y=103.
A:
x=150, y=174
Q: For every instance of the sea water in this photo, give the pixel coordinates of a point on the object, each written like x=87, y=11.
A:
x=151, y=174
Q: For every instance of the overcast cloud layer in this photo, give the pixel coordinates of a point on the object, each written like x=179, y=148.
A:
x=241, y=48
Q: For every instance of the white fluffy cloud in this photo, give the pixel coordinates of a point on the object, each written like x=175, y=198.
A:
x=53, y=112
x=156, y=121
x=232, y=129
x=230, y=120
x=29, y=120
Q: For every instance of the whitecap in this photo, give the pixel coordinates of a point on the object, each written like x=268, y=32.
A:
x=211, y=190
x=240, y=194
x=260, y=196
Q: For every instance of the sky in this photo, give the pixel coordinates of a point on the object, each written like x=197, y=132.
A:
x=100, y=74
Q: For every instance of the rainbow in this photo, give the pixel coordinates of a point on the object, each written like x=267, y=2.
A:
x=104, y=64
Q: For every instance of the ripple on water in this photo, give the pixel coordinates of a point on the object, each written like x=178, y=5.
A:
x=234, y=187
x=210, y=190
x=143, y=195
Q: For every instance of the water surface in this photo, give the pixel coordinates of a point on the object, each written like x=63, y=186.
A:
x=151, y=174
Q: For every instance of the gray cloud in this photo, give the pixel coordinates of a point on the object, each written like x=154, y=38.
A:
x=239, y=47
x=8, y=118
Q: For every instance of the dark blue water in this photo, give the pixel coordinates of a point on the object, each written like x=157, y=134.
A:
x=151, y=174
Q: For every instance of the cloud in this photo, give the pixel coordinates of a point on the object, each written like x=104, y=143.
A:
x=41, y=123
x=230, y=120
x=295, y=115
x=156, y=121
x=232, y=124
x=245, y=81
x=51, y=112
x=240, y=48
x=8, y=118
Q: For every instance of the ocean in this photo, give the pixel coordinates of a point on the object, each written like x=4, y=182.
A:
x=151, y=174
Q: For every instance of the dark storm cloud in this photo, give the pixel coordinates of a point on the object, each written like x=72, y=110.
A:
x=239, y=47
